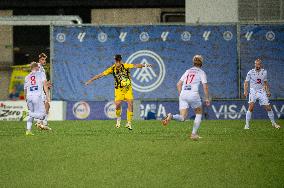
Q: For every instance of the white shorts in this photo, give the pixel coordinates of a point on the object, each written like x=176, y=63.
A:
x=36, y=104
x=192, y=100
x=260, y=96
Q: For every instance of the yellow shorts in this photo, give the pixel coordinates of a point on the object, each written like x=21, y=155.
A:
x=122, y=94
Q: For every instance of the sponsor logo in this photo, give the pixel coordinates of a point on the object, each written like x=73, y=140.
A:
x=270, y=35
x=144, y=36
x=11, y=111
x=110, y=110
x=229, y=111
x=158, y=110
x=60, y=37
x=81, y=110
x=122, y=36
x=149, y=78
x=81, y=36
x=102, y=37
x=164, y=35
x=228, y=35
x=185, y=36
x=248, y=35
x=206, y=35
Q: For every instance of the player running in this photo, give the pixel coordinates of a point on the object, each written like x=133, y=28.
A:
x=259, y=90
x=41, y=62
x=188, y=92
x=123, y=87
x=34, y=87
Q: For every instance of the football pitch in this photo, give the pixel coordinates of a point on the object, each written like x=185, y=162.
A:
x=95, y=154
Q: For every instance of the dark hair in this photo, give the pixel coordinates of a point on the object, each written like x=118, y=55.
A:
x=118, y=57
x=42, y=55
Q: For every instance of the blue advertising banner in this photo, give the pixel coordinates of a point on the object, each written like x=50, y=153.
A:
x=81, y=52
x=217, y=110
x=235, y=109
x=265, y=42
x=89, y=110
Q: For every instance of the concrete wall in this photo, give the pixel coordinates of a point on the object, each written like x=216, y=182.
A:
x=126, y=16
x=6, y=41
x=6, y=55
x=205, y=11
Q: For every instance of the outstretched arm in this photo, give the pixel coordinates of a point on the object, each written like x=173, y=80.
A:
x=98, y=76
x=142, y=65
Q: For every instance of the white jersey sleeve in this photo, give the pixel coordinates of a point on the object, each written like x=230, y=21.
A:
x=264, y=75
x=248, y=76
x=203, y=77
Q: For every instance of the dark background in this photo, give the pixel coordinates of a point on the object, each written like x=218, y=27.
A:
x=29, y=41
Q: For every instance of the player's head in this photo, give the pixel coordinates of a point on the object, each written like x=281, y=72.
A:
x=118, y=59
x=197, y=60
x=42, y=58
x=258, y=64
x=34, y=66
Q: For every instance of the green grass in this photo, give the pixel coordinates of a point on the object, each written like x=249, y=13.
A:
x=95, y=154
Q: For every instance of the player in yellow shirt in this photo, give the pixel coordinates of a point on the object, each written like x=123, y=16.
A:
x=123, y=88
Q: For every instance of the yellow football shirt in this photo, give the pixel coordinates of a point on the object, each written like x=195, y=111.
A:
x=120, y=74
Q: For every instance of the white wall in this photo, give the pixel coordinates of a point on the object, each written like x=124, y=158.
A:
x=207, y=11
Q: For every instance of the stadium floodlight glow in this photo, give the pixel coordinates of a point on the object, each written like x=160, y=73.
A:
x=40, y=20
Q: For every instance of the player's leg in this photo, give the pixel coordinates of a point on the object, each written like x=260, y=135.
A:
x=196, y=123
x=39, y=111
x=252, y=99
x=263, y=101
x=29, y=119
x=129, y=114
x=47, y=107
x=182, y=115
x=248, y=114
x=196, y=104
x=118, y=112
x=183, y=109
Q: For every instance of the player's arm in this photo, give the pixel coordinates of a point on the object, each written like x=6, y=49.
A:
x=142, y=65
x=179, y=87
x=246, y=88
x=46, y=90
x=205, y=88
x=25, y=88
x=265, y=84
x=206, y=93
x=25, y=93
x=98, y=76
x=246, y=84
x=266, y=88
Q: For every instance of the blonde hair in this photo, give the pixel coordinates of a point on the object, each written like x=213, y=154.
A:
x=33, y=65
x=197, y=60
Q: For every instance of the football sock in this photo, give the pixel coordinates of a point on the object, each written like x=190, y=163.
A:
x=118, y=113
x=248, y=117
x=271, y=116
x=196, y=123
x=129, y=116
x=29, y=123
x=178, y=117
x=45, y=120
